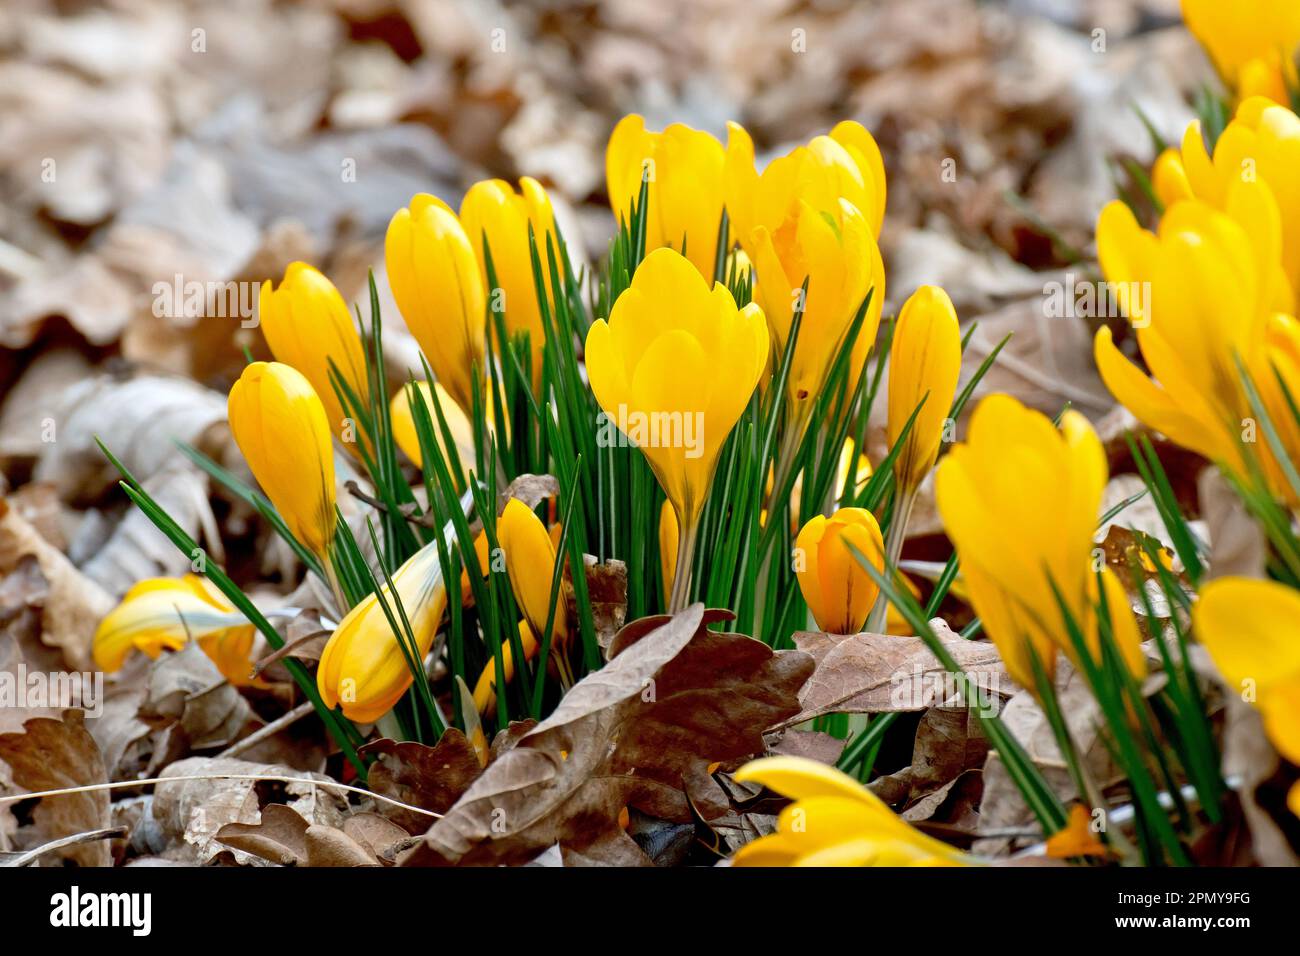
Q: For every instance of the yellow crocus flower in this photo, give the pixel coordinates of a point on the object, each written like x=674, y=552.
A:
x=837, y=589
x=1249, y=628
x=1252, y=42
x=363, y=668
x=1019, y=499
x=924, y=364
x=408, y=439
x=307, y=326
x=674, y=368
x=1260, y=145
x=281, y=427
x=835, y=821
x=684, y=187
x=1200, y=296
x=530, y=564
x=494, y=210
x=810, y=215
x=435, y=277
x=161, y=614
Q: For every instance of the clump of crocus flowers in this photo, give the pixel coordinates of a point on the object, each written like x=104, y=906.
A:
x=743, y=306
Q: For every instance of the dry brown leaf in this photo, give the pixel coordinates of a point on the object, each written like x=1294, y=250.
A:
x=280, y=836
x=186, y=687
x=883, y=673
x=429, y=777
x=640, y=733
x=191, y=812
x=607, y=589
x=53, y=754
x=71, y=605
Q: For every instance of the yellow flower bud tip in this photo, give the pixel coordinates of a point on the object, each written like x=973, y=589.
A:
x=924, y=365
x=1022, y=531
x=837, y=588
x=835, y=821
x=683, y=172
x=493, y=212
x=436, y=280
x=1252, y=42
x=363, y=668
x=281, y=427
x=530, y=563
x=669, y=535
x=308, y=326
x=673, y=369
x=486, y=686
x=161, y=614
x=407, y=436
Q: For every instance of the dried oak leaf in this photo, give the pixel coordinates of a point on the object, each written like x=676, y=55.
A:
x=53, y=754
x=285, y=838
x=883, y=673
x=639, y=733
x=430, y=777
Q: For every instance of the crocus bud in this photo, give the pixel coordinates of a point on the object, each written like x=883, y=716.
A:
x=363, y=668
x=530, y=564
x=837, y=588
x=308, y=326
x=435, y=279
x=485, y=688
x=492, y=209
x=668, y=541
x=407, y=437
x=161, y=614
x=281, y=427
x=683, y=172
x=924, y=363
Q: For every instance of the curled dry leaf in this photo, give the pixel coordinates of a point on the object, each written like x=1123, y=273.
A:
x=607, y=589
x=430, y=777
x=639, y=733
x=882, y=673
x=191, y=812
x=70, y=604
x=532, y=490
x=283, y=837
x=55, y=754
x=186, y=688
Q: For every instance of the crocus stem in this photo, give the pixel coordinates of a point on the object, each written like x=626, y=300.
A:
x=893, y=549
x=685, y=561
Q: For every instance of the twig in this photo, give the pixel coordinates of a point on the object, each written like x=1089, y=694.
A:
x=278, y=778
x=270, y=730
x=90, y=836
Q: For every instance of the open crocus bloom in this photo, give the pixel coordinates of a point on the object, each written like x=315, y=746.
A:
x=835, y=821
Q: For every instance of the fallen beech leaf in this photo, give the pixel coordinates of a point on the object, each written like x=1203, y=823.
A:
x=280, y=836
x=72, y=605
x=882, y=673
x=377, y=834
x=53, y=754
x=186, y=687
x=639, y=733
x=430, y=777
x=327, y=846
x=192, y=812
